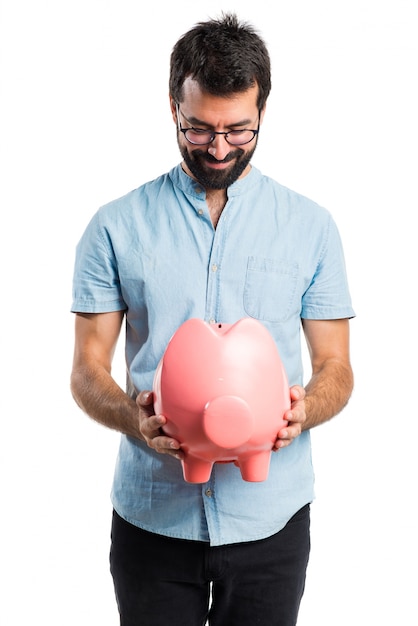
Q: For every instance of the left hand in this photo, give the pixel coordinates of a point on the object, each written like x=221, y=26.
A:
x=296, y=417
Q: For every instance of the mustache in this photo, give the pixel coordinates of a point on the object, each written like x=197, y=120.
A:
x=205, y=156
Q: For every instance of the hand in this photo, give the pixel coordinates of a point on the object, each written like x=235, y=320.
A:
x=296, y=417
x=150, y=427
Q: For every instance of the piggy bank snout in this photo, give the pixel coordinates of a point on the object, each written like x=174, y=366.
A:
x=228, y=421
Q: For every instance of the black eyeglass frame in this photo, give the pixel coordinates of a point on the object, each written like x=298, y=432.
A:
x=213, y=133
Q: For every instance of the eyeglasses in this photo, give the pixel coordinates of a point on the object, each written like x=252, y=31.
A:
x=202, y=137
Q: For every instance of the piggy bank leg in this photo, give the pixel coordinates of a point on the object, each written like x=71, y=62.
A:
x=255, y=468
x=195, y=470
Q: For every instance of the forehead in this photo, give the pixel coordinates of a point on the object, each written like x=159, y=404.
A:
x=205, y=106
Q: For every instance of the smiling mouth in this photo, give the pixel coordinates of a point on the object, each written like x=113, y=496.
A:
x=214, y=163
x=218, y=165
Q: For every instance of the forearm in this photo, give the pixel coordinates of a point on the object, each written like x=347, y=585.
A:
x=100, y=397
x=327, y=392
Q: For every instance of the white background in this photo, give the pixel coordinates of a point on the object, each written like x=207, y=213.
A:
x=85, y=119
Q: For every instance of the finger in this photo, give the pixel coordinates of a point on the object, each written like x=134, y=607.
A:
x=290, y=432
x=296, y=415
x=281, y=443
x=297, y=393
x=151, y=426
x=145, y=398
x=166, y=445
x=286, y=435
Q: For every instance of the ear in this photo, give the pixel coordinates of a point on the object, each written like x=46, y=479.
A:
x=173, y=109
x=262, y=112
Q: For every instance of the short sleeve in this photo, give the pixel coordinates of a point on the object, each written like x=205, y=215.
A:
x=328, y=296
x=96, y=285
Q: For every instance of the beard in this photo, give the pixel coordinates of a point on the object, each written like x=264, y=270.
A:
x=216, y=179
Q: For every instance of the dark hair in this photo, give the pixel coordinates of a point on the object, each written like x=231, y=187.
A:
x=224, y=56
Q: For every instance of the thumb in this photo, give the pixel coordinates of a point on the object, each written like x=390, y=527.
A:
x=144, y=398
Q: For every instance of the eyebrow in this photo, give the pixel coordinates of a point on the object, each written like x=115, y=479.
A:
x=195, y=121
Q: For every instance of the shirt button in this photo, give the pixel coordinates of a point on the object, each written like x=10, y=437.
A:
x=208, y=492
x=200, y=211
x=212, y=321
x=214, y=267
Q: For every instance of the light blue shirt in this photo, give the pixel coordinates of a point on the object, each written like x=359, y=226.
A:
x=275, y=256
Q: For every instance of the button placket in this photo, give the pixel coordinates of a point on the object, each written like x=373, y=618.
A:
x=214, y=270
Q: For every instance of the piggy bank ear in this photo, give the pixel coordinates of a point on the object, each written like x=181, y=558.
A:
x=228, y=421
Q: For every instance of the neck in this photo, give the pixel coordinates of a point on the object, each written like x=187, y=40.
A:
x=216, y=200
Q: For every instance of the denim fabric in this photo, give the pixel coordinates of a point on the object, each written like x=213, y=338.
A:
x=275, y=256
x=160, y=580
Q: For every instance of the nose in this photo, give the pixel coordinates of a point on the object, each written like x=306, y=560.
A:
x=219, y=147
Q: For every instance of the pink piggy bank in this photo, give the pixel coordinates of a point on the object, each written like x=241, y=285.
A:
x=224, y=391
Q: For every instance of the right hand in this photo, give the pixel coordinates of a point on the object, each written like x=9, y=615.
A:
x=150, y=427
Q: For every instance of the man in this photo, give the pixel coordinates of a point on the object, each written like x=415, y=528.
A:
x=212, y=239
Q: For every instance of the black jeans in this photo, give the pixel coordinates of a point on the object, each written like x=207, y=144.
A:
x=161, y=581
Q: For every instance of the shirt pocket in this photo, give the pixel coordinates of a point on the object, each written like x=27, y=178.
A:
x=270, y=288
